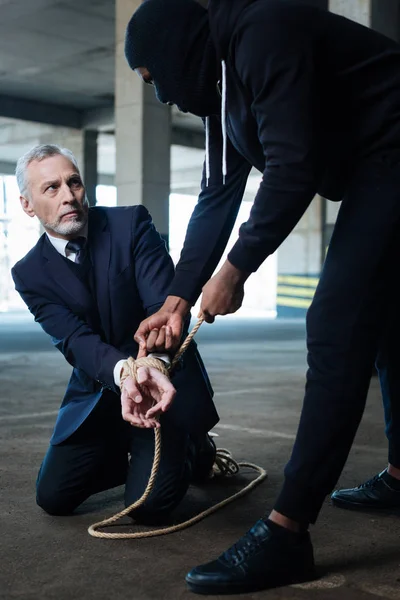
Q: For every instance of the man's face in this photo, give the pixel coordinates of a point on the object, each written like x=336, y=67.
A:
x=146, y=76
x=56, y=196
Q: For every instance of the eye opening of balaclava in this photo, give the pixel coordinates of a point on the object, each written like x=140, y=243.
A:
x=172, y=40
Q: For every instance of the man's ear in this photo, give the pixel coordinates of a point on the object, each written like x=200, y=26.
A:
x=26, y=206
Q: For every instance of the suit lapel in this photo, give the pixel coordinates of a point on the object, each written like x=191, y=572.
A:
x=59, y=271
x=99, y=243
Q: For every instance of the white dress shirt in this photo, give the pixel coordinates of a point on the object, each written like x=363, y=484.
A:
x=61, y=246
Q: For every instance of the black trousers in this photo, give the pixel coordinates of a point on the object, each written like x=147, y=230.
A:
x=95, y=458
x=354, y=317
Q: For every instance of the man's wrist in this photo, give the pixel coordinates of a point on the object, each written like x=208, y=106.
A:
x=233, y=273
x=175, y=304
x=117, y=372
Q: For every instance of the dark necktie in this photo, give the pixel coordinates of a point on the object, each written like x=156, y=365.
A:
x=82, y=268
x=78, y=247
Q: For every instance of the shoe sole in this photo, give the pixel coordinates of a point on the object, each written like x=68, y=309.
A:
x=241, y=588
x=366, y=507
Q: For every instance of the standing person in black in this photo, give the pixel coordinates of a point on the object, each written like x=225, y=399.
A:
x=312, y=100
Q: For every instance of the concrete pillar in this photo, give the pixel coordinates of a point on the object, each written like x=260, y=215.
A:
x=143, y=135
x=90, y=164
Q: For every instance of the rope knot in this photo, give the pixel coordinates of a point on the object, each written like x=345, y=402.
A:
x=131, y=367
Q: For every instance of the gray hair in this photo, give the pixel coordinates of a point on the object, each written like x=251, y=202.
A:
x=39, y=153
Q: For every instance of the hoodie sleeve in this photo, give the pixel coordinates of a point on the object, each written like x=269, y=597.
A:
x=213, y=218
x=275, y=63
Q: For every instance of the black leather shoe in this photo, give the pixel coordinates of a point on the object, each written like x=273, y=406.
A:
x=260, y=559
x=204, y=452
x=375, y=493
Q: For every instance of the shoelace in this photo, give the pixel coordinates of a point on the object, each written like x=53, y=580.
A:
x=370, y=483
x=224, y=464
x=241, y=549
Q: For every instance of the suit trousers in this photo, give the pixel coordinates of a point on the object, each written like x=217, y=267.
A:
x=95, y=458
x=354, y=318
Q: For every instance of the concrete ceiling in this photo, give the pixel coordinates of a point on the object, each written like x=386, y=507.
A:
x=57, y=62
x=57, y=66
x=58, y=51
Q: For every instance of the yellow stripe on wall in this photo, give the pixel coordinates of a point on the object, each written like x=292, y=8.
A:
x=293, y=302
x=298, y=280
x=296, y=291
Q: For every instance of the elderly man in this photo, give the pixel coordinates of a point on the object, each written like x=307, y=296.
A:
x=92, y=277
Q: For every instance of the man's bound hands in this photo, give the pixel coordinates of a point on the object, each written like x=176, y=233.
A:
x=144, y=400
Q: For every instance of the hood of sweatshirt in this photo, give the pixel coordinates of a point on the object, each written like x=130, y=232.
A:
x=172, y=40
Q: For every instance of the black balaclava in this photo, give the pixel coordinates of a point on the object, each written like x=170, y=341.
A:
x=171, y=38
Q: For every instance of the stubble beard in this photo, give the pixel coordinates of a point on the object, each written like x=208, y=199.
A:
x=73, y=225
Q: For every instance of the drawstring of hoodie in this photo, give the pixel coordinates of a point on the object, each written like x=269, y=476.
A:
x=207, y=149
x=223, y=123
x=224, y=135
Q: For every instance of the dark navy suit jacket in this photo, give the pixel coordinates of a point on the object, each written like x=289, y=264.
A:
x=131, y=272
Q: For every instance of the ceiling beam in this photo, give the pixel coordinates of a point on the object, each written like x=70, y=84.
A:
x=101, y=118
x=40, y=112
x=56, y=114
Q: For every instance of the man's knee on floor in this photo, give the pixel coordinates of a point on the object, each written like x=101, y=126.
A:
x=54, y=502
x=154, y=511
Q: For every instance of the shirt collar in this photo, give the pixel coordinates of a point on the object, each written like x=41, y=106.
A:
x=60, y=244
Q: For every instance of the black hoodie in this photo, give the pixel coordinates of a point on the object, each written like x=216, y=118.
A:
x=308, y=95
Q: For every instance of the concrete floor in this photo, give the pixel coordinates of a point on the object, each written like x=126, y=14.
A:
x=257, y=369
